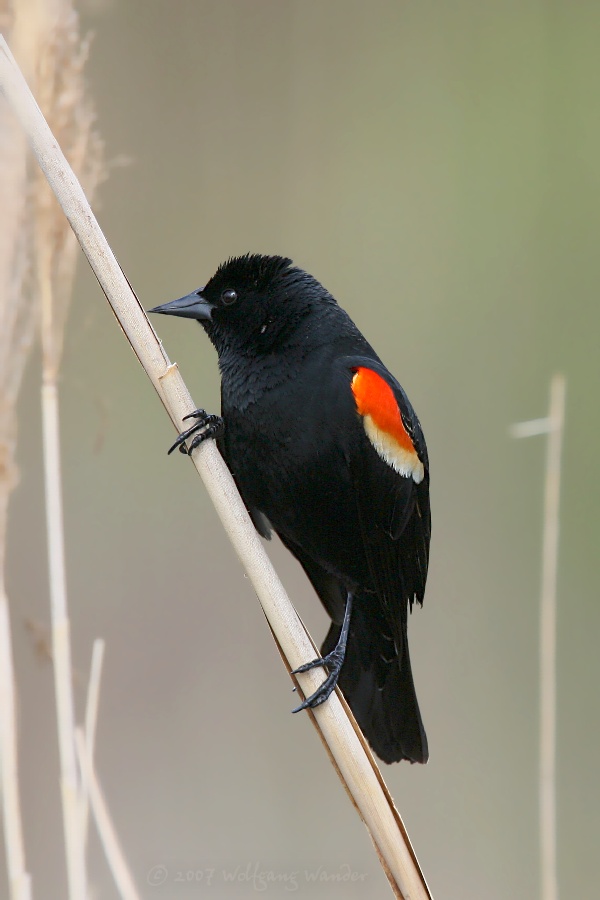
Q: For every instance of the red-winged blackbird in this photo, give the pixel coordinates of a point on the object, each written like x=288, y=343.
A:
x=326, y=449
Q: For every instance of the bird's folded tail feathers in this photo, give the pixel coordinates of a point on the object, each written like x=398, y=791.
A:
x=377, y=683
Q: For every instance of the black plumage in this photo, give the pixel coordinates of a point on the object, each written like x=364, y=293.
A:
x=345, y=486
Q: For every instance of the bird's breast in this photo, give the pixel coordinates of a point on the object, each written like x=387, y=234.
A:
x=287, y=449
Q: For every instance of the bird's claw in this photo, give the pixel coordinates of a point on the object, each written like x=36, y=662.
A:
x=333, y=661
x=206, y=426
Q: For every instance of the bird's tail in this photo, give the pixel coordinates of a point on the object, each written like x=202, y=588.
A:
x=376, y=680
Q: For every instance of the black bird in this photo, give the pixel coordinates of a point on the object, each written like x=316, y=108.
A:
x=325, y=449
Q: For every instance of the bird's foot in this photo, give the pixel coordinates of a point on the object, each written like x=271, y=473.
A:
x=333, y=661
x=206, y=426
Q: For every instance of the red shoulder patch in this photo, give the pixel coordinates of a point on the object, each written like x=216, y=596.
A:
x=374, y=397
x=376, y=403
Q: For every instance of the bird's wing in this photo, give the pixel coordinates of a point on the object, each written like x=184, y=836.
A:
x=390, y=472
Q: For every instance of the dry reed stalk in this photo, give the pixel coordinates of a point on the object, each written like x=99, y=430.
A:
x=18, y=319
x=62, y=97
x=553, y=426
x=548, y=614
x=19, y=881
x=45, y=38
x=106, y=831
x=345, y=744
x=91, y=718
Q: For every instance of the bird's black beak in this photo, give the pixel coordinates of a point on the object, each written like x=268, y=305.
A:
x=192, y=306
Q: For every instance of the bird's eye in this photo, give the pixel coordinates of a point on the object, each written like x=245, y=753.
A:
x=228, y=297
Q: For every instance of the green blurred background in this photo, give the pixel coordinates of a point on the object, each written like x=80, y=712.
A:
x=437, y=166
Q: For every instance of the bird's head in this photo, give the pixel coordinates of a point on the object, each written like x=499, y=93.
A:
x=251, y=302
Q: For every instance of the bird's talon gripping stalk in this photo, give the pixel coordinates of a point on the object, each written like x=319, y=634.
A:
x=324, y=691
x=334, y=662
x=206, y=426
